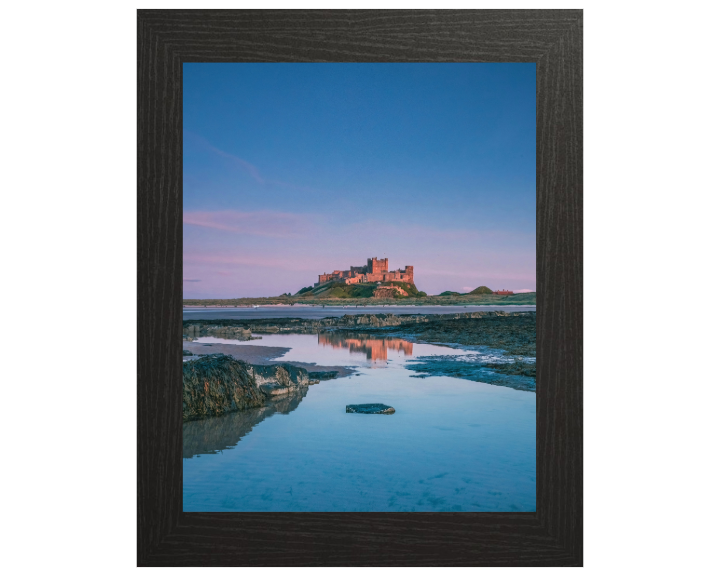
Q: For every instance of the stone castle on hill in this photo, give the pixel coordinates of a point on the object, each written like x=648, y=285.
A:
x=374, y=271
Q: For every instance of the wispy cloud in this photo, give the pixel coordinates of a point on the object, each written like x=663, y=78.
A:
x=262, y=223
x=293, y=225
x=214, y=259
x=240, y=162
x=469, y=274
x=406, y=230
x=247, y=167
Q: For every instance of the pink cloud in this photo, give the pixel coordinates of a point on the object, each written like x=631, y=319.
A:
x=408, y=230
x=214, y=259
x=467, y=274
x=263, y=223
x=412, y=230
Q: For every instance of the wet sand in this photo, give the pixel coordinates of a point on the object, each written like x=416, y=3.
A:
x=261, y=355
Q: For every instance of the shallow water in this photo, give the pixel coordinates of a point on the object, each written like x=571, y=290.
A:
x=314, y=312
x=452, y=444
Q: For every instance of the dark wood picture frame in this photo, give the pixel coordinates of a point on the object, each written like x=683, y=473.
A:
x=551, y=536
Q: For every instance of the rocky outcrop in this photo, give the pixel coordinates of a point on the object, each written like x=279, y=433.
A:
x=516, y=373
x=268, y=329
x=388, y=292
x=215, y=385
x=279, y=379
x=191, y=331
x=218, y=384
x=245, y=328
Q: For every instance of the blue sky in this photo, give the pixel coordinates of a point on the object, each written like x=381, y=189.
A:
x=292, y=170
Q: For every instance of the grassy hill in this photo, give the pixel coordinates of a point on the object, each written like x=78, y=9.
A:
x=335, y=293
x=342, y=290
x=477, y=291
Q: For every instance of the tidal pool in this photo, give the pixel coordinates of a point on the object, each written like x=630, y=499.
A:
x=452, y=444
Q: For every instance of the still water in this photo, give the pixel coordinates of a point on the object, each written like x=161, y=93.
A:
x=315, y=312
x=452, y=444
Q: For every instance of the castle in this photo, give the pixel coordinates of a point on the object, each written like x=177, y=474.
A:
x=374, y=271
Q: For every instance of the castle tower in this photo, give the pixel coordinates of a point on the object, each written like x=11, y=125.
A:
x=376, y=266
x=409, y=272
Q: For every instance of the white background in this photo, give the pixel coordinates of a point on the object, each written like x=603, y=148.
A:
x=68, y=285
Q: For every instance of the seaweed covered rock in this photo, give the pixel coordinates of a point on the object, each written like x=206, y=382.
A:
x=327, y=375
x=243, y=329
x=191, y=331
x=217, y=384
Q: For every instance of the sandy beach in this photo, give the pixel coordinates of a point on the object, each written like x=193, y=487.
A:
x=260, y=355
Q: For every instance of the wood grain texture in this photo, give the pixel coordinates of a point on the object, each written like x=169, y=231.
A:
x=550, y=537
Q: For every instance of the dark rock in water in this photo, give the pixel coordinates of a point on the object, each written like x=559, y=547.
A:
x=369, y=409
x=187, y=353
x=329, y=375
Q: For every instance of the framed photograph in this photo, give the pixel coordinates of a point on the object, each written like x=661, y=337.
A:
x=360, y=288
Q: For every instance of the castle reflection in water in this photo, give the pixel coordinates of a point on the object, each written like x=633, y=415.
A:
x=376, y=349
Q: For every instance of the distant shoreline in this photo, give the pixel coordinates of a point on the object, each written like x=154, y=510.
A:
x=521, y=299
x=186, y=306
